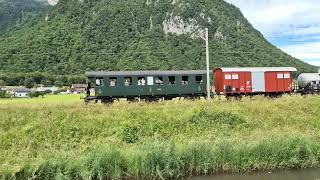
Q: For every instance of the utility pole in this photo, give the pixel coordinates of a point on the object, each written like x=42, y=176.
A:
x=206, y=39
x=208, y=65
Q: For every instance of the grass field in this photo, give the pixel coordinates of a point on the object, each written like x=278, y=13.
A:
x=59, y=137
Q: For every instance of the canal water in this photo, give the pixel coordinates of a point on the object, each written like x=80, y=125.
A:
x=306, y=174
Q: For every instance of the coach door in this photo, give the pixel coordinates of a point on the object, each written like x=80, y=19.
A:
x=258, y=82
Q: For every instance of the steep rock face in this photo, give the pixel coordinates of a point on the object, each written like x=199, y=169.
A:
x=80, y=35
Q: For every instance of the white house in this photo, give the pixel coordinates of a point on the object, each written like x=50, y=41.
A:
x=19, y=92
x=22, y=93
x=77, y=89
x=43, y=89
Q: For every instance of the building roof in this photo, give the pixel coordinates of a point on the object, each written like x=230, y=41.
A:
x=9, y=88
x=143, y=73
x=53, y=89
x=259, y=69
x=78, y=86
x=21, y=90
x=17, y=88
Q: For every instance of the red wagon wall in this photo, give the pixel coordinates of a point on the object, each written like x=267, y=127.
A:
x=278, y=82
x=218, y=82
x=239, y=80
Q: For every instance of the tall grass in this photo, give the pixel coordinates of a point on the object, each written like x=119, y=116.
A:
x=54, y=139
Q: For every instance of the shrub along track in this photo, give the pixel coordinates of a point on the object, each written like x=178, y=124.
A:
x=53, y=138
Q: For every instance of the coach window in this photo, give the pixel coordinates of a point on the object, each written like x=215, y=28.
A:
x=172, y=80
x=141, y=81
x=185, y=80
x=150, y=80
x=280, y=76
x=113, y=81
x=227, y=77
x=127, y=81
x=99, y=81
x=286, y=76
x=159, y=80
x=235, y=76
x=199, y=79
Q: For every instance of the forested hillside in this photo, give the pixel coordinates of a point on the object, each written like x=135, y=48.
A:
x=79, y=35
x=15, y=12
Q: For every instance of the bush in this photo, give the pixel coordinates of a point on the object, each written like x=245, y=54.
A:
x=130, y=133
x=206, y=118
x=4, y=94
x=48, y=91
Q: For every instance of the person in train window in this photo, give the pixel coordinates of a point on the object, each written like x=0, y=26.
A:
x=159, y=81
x=185, y=82
x=126, y=82
x=113, y=83
x=98, y=82
x=143, y=82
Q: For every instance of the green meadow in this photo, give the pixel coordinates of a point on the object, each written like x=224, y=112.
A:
x=59, y=137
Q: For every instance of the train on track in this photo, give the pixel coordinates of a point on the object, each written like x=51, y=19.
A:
x=230, y=82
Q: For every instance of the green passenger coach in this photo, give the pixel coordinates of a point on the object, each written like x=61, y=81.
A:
x=146, y=85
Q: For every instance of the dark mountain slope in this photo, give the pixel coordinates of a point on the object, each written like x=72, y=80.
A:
x=82, y=35
x=15, y=12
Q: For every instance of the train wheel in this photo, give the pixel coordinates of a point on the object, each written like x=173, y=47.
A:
x=132, y=100
x=107, y=101
x=238, y=97
x=151, y=99
x=191, y=98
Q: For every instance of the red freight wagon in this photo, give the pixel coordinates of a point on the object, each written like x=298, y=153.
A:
x=252, y=80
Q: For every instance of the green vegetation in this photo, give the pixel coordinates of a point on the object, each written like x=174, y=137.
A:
x=14, y=13
x=59, y=137
x=4, y=94
x=31, y=79
x=75, y=36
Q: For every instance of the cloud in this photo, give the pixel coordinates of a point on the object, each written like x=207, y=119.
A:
x=313, y=62
x=282, y=17
x=53, y=2
x=310, y=52
x=292, y=25
x=303, y=51
x=304, y=39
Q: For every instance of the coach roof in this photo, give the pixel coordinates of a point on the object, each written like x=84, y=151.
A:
x=143, y=73
x=259, y=69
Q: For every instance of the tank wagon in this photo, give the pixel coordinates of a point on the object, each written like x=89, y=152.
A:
x=145, y=85
x=272, y=81
x=309, y=83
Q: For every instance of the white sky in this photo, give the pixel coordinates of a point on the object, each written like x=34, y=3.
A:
x=52, y=2
x=292, y=25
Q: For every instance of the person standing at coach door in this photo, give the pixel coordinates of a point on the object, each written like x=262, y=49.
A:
x=88, y=87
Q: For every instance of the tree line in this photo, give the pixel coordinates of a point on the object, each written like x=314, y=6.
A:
x=31, y=79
